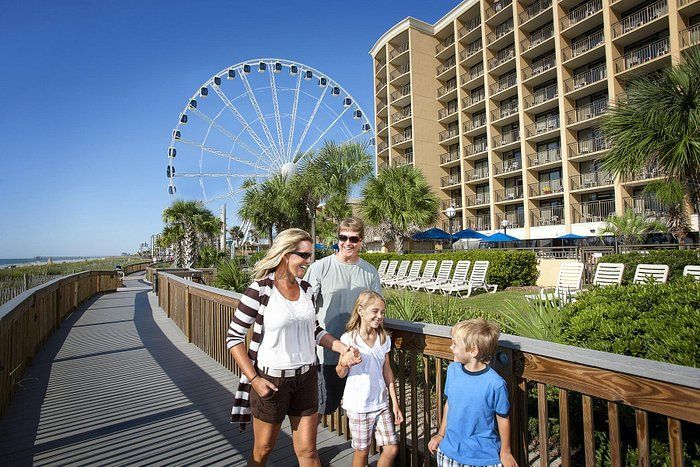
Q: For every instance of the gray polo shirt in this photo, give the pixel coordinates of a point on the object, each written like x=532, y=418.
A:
x=336, y=286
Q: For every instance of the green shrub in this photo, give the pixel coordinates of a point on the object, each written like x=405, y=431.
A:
x=539, y=319
x=676, y=260
x=231, y=276
x=658, y=322
x=507, y=268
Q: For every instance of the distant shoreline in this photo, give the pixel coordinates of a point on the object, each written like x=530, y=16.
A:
x=41, y=261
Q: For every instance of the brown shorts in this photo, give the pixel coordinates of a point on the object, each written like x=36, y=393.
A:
x=296, y=396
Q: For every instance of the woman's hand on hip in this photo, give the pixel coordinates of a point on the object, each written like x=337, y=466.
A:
x=263, y=387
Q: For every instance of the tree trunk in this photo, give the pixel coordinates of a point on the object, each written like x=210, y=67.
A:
x=398, y=243
x=269, y=233
x=313, y=235
x=190, y=245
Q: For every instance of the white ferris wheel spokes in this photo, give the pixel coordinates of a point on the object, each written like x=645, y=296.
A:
x=255, y=119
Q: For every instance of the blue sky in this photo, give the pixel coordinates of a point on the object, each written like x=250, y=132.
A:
x=92, y=90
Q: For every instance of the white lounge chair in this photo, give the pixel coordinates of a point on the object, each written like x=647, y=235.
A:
x=390, y=270
x=382, y=267
x=608, y=274
x=428, y=275
x=693, y=271
x=413, y=274
x=458, y=278
x=477, y=280
x=659, y=272
x=443, y=276
x=400, y=273
x=568, y=284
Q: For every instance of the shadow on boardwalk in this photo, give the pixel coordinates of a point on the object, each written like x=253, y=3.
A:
x=118, y=384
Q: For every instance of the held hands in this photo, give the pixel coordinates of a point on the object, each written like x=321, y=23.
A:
x=351, y=357
x=434, y=443
x=263, y=387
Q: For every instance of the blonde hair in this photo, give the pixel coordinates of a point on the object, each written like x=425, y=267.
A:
x=285, y=242
x=478, y=333
x=363, y=301
x=352, y=224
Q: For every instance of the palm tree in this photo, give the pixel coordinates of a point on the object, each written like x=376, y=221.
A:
x=631, y=227
x=400, y=200
x=172, y=236
x=658, y=125
x=192, y=220
x=671, y=194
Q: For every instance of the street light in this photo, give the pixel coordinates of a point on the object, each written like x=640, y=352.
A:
x=504, y=224
x=450, y=213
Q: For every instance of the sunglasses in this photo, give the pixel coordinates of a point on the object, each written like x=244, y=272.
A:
x=353, y=238
x=302, y=254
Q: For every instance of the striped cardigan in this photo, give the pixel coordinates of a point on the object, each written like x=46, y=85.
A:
x=250, y=311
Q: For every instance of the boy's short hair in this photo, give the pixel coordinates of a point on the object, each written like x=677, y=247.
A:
x=353, y=224
x=478, y=333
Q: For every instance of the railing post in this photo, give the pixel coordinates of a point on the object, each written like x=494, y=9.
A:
x=511, y=370
x=188, y=314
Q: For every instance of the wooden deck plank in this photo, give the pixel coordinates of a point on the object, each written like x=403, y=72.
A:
x=119, y=384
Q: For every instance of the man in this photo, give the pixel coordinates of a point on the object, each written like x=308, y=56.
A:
x=337, y=281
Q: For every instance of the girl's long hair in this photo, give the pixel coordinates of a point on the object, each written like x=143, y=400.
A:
x=365, y=299
x=285, y=242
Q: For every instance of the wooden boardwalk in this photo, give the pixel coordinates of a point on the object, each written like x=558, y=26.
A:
x=119, y=385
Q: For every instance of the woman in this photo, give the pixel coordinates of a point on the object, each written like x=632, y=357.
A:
x=279, y=376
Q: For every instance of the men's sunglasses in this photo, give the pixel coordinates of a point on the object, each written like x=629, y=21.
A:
x=302, y=254
x=353, y=238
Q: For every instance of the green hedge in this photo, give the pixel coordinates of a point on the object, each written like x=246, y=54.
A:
x=507, y=268
x=676, y=260
x=657, y=322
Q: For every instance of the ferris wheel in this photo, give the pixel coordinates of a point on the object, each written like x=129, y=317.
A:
x=255, y=119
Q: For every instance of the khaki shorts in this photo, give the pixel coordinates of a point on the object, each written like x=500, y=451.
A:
x=296, y=396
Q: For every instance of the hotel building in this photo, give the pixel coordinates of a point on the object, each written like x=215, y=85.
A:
x=498, y=103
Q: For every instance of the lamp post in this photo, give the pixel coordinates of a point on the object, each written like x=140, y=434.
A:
x=504, y=224
x=450, y=213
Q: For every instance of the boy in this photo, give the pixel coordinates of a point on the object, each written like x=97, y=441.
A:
x=477, y=402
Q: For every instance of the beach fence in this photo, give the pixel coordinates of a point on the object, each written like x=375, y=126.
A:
x=10, y=287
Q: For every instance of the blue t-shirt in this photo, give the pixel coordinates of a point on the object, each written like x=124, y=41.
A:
x=474, y=399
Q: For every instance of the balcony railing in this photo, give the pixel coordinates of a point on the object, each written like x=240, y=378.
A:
x=477, y=148
x=382, y=147
x=442, y=90
x=591, y=180
x=510, y=165
x=690, y=36
x=466, y=77
x=446, y=112
x=479, y=222
x=401, y=137
x=593, y=211
x=469, y=27
x=401, y=48
x=400, y=115
x=449, y=180
x=586, y=112
x=547, y=187
x=448, y=157
x=583, y=45
x=547, y=216
x=476, y=174
x=540, y=66
x=380, y=85
x=544, y=157
x=443, y=67
x=447, y=134
x=644, y=174
x=445, y=43
x=643, y=55
x=399, y=161
x=473, y=48
x=580, y=13
x=381, y=126
x=588, y=146
x=541, y=96
x=502, y=58
x=646, y=206
x=509, y=137
x=474, y=98
x=500, y=31
x=400, y=71
x=497, y=7
x=476, y=122
x=381, y=104
x=537, y=38
x=640, y=18
x=404, y=91
x=510, y=80
x=455, y=225
x=542, y=126
x=380, y=67
x=478, y=199
x=505, y=110
x=581, y=80
x=516, y=219
x=535, y=9
x=455, y=203
x=507, y=194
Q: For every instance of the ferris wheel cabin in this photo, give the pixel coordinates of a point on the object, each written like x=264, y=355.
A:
x=171, y=151
x=293, y=70
x=204, y=91
x=262, y=67
x=231, y=73
x=277, y=67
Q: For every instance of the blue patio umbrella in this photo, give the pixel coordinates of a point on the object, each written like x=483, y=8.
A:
x=432, y=234
x=571, y=236
x=468, y=234
x=499, y=237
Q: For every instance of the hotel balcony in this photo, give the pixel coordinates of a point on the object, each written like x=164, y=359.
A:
x=401, y=116
x=402, y=140
x=586, y=115
x=498, y=38
x=581, y=18
x=398, y=161
x=593, y=211
x=498, y=89
x=547, y=216
x=401, y=96
x=453, y=225
x=587, y=149
x=381, y=107
x=507, y=167
x=398, y=50
x=475, y=149
x=542, y=99
x=516, y=219
x=470, y=104
x=646, y=206
x=472, y=50
x=472, y=80
x=509, y=194
x=584, y=50
x=475, y=175
x=532, y=12
x=380, y=69
x=380, y=88
x=448, y=136
x=497, y=65
x=690, y=36
x=587, y=82
x=506, y=140
x=590, y=180
x=480, y=199
x=447, y=114
x=480, y=222
x=382, y=126
x=546, y=188
x=381, y=147
x=537, y=43
x=646, y=59
x=499, y=8
x=506, y=110
x=401, y=76
x=445, y=44
x=472, y=127
x=449, y=159
x=455, y=203
x=469, y=29
x=445, y=93
x=450, y=180
x=645, y=22
x=643, y=176
x=548, y=157
x=540, y=71
x=446, y=70
x=543, y=129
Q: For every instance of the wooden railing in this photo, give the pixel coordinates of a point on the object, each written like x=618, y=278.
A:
x=28, y=320
x=135, y=267
x=579, y=383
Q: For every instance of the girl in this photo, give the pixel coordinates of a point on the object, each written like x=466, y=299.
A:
x=365, y=399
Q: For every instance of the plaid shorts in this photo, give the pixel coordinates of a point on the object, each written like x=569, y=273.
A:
x=381, y=422
x=444, y=461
